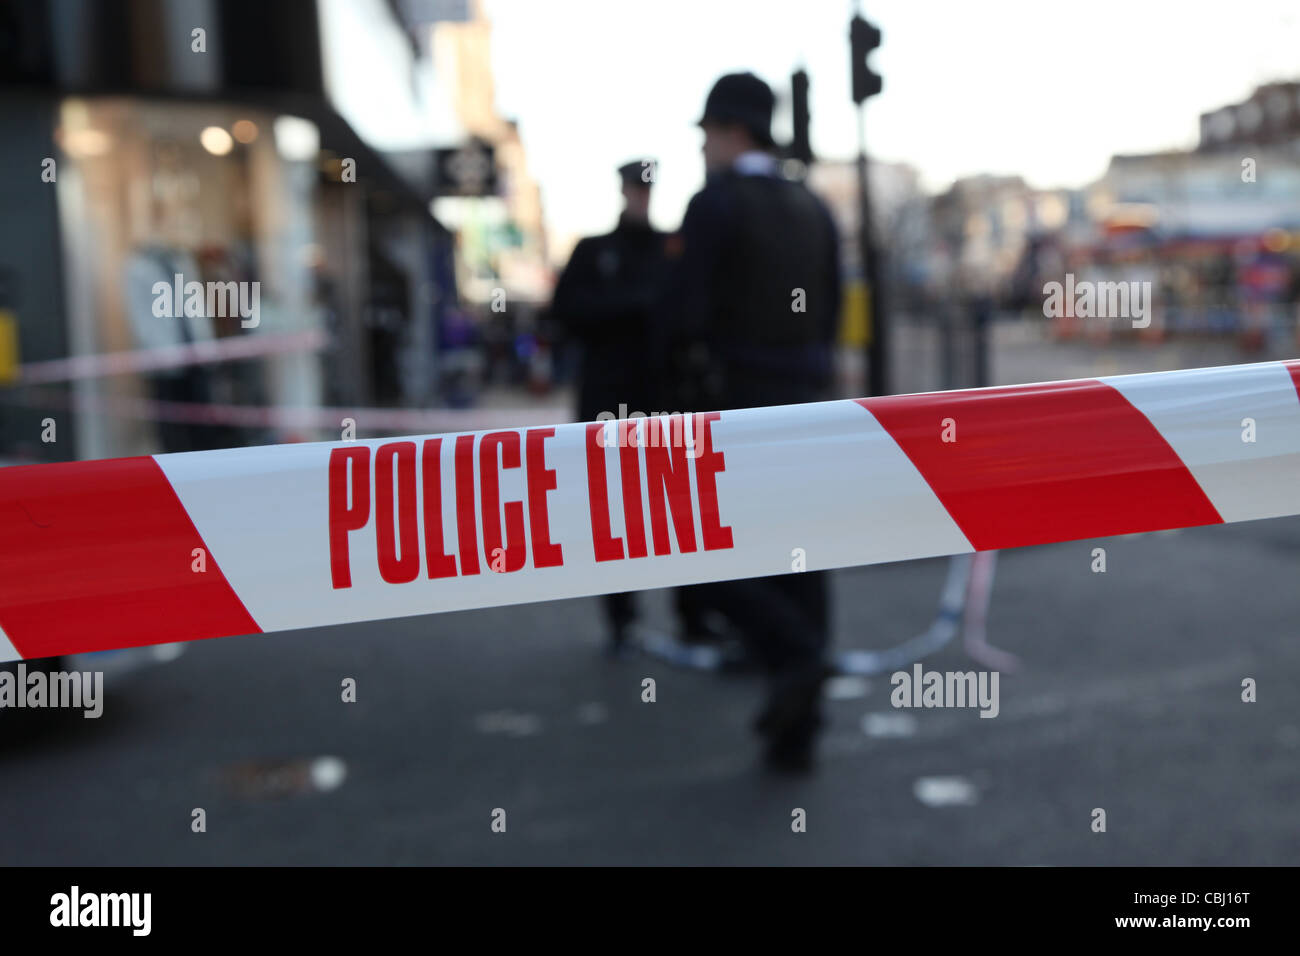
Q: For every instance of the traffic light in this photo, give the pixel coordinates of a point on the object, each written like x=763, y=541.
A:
x=801, y=148
x=863, y=38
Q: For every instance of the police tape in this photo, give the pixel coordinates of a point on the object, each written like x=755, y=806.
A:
x=135, y=551
x=288, y=417
x=170, y=357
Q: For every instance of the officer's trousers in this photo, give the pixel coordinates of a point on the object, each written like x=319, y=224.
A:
x=784, y=619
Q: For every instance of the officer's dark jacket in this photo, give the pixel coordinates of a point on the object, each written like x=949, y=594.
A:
x=605, y=299
x=749, y=243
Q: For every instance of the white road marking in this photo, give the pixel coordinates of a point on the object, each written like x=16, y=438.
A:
x=846, y=688
x=508, y=722
x=889, y=725
x=328, y=773
x=945, y=792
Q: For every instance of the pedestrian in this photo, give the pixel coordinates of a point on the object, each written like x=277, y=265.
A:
x=605, y=299
x=750, y=320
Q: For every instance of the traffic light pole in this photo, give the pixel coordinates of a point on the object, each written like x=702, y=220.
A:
x=878, y=341
x=863, y=38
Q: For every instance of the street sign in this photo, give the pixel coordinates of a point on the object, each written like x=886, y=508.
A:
x=468, y=170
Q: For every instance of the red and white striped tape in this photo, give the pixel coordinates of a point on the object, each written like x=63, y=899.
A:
x=208, y=352
x=298, y=416
x=134, y=551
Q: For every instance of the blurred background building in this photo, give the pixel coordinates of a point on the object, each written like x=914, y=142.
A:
x=503, y=266
x=299, y=146
x=1214, y=228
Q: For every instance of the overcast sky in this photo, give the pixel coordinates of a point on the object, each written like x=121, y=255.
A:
x=1044, y=88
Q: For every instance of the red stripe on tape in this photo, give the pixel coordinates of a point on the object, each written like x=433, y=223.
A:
x=98, y=555
x=1035, y=464
x=1294, y=368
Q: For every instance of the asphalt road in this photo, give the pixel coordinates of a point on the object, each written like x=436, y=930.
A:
x=1129, y=700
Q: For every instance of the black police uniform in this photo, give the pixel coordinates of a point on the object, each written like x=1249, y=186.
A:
x=605, y=299
x=749, y=243
x=753, y=245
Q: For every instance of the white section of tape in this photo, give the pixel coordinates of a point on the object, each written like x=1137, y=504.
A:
x=1202, y=414
x=825, y=478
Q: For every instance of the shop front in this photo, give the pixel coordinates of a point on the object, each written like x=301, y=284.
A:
x=157, y=197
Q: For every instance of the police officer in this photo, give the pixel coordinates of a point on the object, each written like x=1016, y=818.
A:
x=605, y=299
x=751, y=321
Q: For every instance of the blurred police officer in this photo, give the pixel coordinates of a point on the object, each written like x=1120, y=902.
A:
x=751, y=320
x=605, y=299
